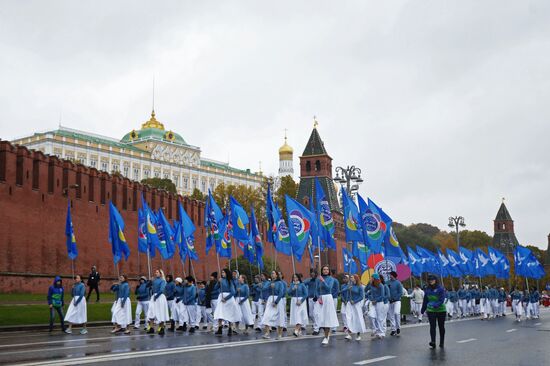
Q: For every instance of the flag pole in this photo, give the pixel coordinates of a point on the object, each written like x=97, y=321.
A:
x=236, y=254
x=293, y=263
x=139, y=266
x=183, y=267
x=192, y=269
x=148, y=263
x=72, y=267
x=218, y=258
x=319, y=247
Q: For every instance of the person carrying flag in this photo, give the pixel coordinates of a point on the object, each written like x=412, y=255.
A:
x=122, y=312
x=394, y=312
x=158, y=307
x=143, y=295
x=76, y=313
x=227, y=308
x=298, y=304
x=312, y=300
x=417, y=298
x=244, y=303
x=169, y=292
x=328, y=319
x=180, y=311
x=275, y=311
x=354, y=313
x=190, y=302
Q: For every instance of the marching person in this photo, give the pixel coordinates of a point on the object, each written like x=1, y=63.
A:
x=534, y=300
x=244, y=303
x=257, y=312
x=417, y=298
x=376, y=295
x=335, y=293
x=517, y=309
x=76, y=313
x=201, y=301
x=169, y=292
x=282, y=277
x=158, y=307
x=123, y=309
x=394, y=312
x=328, y=318
x=311, y=300
x=93, y=283
x=274, y=308
x=354, y=308
x=452, y=304
x=344, y=297
x=143, y=295
x=227, y=308
x=56, y=302
x=502, y=302
x=265, y=292
x=180, y=310
x=434, y=305
x=298, y=304
x=190, y=301
x=212, y=294
x=463, y=301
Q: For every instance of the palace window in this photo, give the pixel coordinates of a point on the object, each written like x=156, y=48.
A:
x=175, y=180
x=136, y=174
x=126, y=170
x=104, y=165
x=203, y=186
x=157, y=174
x=146, y=173
x=186, y=183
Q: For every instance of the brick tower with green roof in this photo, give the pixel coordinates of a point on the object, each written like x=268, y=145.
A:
x=504, y=239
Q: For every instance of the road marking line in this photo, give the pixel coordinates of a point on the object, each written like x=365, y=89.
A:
x=467, y=340
x=72, y=340
x=538, y=323
x=373, y=360
x=511, y=330
x=48, y=349
x=162, y=351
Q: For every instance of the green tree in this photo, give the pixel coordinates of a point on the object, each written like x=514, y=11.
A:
x=474, y=239
x=251, y=270
x=197, y=195
x=287, y=187
x=245, y=195
x=161, y=183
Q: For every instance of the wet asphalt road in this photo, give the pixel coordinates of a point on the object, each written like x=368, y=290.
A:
x=469, y=342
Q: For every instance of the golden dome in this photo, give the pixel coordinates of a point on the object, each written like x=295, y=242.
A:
x=153, y=123
x=286, y=149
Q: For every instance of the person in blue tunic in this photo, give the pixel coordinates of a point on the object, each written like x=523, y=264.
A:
x=158, y=307
x=275, y=311
x=298, y=304
x=143, y=295
x=77, y=312
x=227, y=309
x=328, y=318
x=434, y=305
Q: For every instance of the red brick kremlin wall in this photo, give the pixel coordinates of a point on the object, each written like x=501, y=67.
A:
x=32, y=221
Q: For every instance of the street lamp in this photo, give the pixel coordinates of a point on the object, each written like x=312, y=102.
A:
x=347, y=176
x=457, y=222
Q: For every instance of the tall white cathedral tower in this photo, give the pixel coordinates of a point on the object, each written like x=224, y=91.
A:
x=285, y=160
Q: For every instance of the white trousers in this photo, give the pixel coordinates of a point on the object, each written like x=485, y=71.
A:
x=381, y=316
x=394, y=313
x=142, y=307
x=463, y=304
x=193, y=315
x=313, y=315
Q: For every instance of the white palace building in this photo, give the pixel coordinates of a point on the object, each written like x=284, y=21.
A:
x=149, y=152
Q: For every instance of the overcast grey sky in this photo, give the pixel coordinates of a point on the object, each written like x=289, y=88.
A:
x=444, y=104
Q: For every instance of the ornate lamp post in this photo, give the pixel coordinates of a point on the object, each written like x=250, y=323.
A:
x=457, y=222
x=347, y=176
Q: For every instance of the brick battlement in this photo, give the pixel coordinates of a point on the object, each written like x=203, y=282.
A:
x=34, y=193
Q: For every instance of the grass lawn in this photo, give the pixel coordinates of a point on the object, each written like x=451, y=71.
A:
x=39, y=314
x=6, y=298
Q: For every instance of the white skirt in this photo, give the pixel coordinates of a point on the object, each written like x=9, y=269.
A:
x=229, y=310
x=354, y=317
x=158, y=309
x=246, y=311
x=77, y=314
x=298, y=313
x=113, y=312
x=327, y=312
x=123, y=315
x=274, y=316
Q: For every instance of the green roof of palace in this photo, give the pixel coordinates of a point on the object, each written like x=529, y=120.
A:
x=224, y=166
x=90, y=138
x=153, y=133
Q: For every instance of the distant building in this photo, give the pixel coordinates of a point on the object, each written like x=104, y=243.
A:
x=504, y=238
x=150, y=152
x=286, y=161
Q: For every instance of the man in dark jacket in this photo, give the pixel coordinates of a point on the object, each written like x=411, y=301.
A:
x=93, y=283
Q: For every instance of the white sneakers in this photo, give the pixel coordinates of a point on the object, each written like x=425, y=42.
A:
x=358, y=337
x=348, y=337
x=266, y=336
x=325, y=341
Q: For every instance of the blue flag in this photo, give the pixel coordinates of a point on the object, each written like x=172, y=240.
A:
x=178, y=240
x=166, y=236
x=349, y=264
x=374, y=222
x=281, y=233
x=187, y=232
x=360, y=251
x=415, y=263
x=215, y=216
x=526, y=264
x=443, y=263
x=224, y=248
x=239, y=220
x=351, y=219
x=72, y=250
x=269, y=208
x=324, y=216
x=466, y=264
x=454, y=263
x=257, y=238
x=429, y=263
x=314, y=236
x=485, y=267
x=300, y=228
x=116, y=235
x=151, y=230
x=142, y=232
